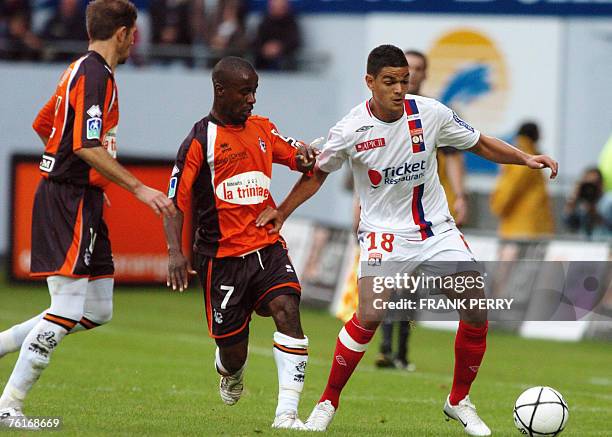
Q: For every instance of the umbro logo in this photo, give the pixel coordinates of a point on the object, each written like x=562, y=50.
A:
x=364, y=128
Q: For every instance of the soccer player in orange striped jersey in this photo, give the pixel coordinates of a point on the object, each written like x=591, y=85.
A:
x=224, y=166
x=70, y=244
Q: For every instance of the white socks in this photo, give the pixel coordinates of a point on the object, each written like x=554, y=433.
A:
x=291, y=356
x=34, y=357
x=67, y=303
x=12, y=339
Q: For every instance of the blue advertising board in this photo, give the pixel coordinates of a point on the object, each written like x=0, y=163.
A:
x=521, y=7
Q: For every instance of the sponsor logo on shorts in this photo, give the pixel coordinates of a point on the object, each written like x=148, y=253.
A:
x=375, y=259
x=249, y=188
x=370, y=144
x=217, y=316
x=94, y=128
x=47, y=163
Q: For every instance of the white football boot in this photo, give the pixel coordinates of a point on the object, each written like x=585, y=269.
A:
x=465, y=413
x=7, y=415
x=230, y=388
x=288, y=420
x=321, y=416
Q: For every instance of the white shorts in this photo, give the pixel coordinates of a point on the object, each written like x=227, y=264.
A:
x=386, y=254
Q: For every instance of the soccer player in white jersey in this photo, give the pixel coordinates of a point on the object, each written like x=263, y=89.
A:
x=390, y=141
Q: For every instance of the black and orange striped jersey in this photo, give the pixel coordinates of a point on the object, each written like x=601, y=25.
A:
x=225, y=171
x=83, y=112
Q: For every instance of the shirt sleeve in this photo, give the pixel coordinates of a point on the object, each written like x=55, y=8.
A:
x=186, y=169
x=43, y=124
x=454, y=132
x=334, y=152
x=284, y=149
x=91, y=89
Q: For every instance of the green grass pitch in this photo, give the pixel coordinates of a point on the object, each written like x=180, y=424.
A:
x=150, y=372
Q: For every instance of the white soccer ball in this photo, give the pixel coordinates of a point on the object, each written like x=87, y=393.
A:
x=540, y=411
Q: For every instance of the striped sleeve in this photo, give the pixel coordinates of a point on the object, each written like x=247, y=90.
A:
x=91, y=90
x=189, y=160
x=284, y=149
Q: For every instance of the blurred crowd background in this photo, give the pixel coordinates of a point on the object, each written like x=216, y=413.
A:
x=192, y=32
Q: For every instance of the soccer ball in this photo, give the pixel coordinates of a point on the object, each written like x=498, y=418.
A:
x=540, y=411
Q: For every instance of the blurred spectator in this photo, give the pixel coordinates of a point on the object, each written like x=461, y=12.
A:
x=17, y=41
x=171, y=25
x=278, y=38
x=520, y=198
x=64, y=28
x=227, y=30
x=585, y=210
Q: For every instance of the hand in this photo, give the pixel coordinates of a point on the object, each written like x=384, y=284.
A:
x=179, y=270
x=156, y=200
x=460, y=207
x=271, y=215
x=307, y=155
x=542, y=161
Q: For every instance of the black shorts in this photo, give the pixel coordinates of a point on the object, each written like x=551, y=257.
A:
x=236, y=286
x=69, y=236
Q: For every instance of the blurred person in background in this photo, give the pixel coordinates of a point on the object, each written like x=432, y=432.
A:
x=17, y=41
x=521, y=192
x=171, y=27
x=228, y=30
x=278, y=38
x=605, y=165
x=586, y=210
x=66, y=25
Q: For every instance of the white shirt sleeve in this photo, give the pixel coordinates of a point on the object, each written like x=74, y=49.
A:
x=334, y=152
x=454, y=132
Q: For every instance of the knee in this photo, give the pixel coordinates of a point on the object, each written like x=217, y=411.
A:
x=101, y=314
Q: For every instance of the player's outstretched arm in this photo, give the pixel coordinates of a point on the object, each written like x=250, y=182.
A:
x=99, y=159
x=499, y=151
x=179, y=267
x=303, y=190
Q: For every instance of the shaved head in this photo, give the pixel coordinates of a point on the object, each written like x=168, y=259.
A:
x=235, y=84
x=230, y=69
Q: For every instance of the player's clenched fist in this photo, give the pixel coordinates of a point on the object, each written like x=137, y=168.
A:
x=307, y=155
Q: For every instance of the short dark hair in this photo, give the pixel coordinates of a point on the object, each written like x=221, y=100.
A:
x=419, y=55
x=104, y=17
x=228, y=67
x=530, y=130
x=385, y=56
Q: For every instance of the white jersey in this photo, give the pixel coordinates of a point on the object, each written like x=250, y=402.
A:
x=395, y=167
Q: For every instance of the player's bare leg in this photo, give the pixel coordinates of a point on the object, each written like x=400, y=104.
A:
x=291, y=356
x=470, y=346
x=230, y=362
x=351, y=345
